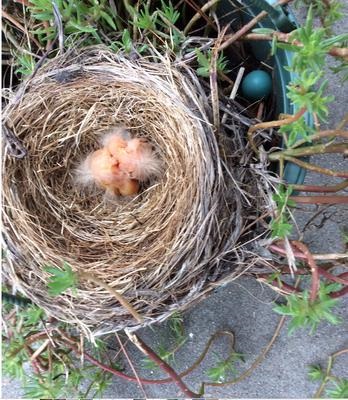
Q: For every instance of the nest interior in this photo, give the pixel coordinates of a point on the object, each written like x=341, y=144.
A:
x=161, y=249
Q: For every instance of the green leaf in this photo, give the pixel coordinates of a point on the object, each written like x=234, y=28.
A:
x=176, y=325
x=127, y=41
x=203, y=61
x=32, y=315
x=61, y=279
x=220, y=372
x=340, y=391
x=263, y=31
x=145, y=20
x=306, y=313
x=315, y=373
x=43, y=16
x=296, y=131
x=108, y=19
x=335, y=41
x=73, y=27
x=288, y=47
x=274, y=45
x=280, y=229
x=169, y=12
x=202, y=71
x=25, y=63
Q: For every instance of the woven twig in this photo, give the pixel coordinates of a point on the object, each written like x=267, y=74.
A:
x=162, y=249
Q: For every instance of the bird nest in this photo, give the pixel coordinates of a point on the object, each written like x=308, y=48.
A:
x=180, y=237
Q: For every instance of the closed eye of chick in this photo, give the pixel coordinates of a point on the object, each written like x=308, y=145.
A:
x=120, y=164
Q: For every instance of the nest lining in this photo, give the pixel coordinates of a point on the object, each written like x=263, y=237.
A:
x=159, y=249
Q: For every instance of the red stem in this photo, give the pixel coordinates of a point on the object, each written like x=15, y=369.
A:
x=321, y=189
x=320, y=199
x=281, y=285
x=313, y=266
x=315, y=270
x=165, y=367
x=339, y=293
x=114, y=371
x=338, y=279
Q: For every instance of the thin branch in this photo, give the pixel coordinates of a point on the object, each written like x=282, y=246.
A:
x=310, y=150
x=162, y=364
x=200, y=12
x=20, y=27
x=315, y=168
x=321, y=189
x=112, y=370
x=272, y=124
x=333, y=256
x=213, y=81
x=339, y=293
x=258, y=360
x=340, y=52
x=131, y=364
x=313, y=266
x=330, y=362
x=235, y=36
x=38, y=351
x=320, y=199
x=198, y=15
x=322, y=134
x=116, y=294
x=338, y=279
x=279, y=286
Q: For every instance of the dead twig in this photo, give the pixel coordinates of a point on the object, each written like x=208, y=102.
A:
x=214, y=83
x=198, y=15
x=131, y=364
x=235, y=36
x=23, y=29
x=116, y=294
x=272, y=124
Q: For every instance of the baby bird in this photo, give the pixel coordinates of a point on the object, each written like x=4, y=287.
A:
x=120, y=164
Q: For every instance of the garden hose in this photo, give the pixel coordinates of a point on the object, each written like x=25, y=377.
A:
x=15, y=300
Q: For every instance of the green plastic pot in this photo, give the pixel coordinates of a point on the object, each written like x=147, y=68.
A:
x=278, y=18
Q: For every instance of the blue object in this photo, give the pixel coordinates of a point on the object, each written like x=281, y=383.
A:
x=230, y=13
x=257, y=85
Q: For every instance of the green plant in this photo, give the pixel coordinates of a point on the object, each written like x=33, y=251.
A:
x=224, y=368
x=25, y=64
x=280, y=226
x=125, y=44
x=78, y=17
x=339, y=391
x=54, y=373
x=308, y=66
x=310, y=46
x=177, y=333
x=329, y=12
x=61, y=279
x=163, y=353
x=306, y=313
x=334, y=386
x=65, y=278
x=204, y=62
